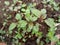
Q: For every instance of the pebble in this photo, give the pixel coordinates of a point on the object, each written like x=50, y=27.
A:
x=0, y=1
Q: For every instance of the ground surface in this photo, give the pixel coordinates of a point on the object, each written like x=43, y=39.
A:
x=43, y=28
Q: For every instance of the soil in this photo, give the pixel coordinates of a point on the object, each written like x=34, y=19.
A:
x=31, y=41
x=2, y=43
x=43, y=27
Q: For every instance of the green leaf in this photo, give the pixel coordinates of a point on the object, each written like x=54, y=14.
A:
x=53, y=28
x=58, y=42
x=10, y=32
x=27, y=14
x=14, y=1
x=59, y=16
x=36, y=12
x=2, y=32
x=35, y=29
x=42, y=43
x=23, y=5
x=27, y=11
x=50, y=22
x=23, y=10
x=12, y=26
x=4, y=23
x=18, y=16
x=18, y=36
x=43, y=11
x=57, y=8
x=24, y=40
x=34, y=18
x=22, y=23
x=54, y=38
x=30, y=17
x=30, y=5
x=30, y=27
x=39, y=34
x=44, y=16
x=58, y=20
x=51, y=34
x=7, y=3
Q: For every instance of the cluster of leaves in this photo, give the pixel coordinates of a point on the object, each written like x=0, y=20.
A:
x=26, y=17
x=52, y=4
x=52, y=28
x=26, y=25
x=58, y=42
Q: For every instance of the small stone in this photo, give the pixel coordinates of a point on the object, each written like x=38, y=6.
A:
x=4, y=14
x=18, y=7
x=11, y=8
x=0, y=1
x=12, y=5
x=3, y=9
x=19, y=11
x=7, y=10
